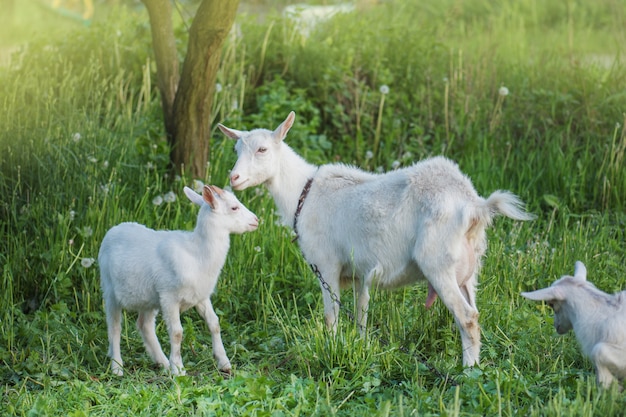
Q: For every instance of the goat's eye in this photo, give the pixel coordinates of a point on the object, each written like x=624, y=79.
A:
x=235, y=208
x=262, y=150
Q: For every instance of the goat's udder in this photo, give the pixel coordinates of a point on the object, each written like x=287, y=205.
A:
x=432, y=296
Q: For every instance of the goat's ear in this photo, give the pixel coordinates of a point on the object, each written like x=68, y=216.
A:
x=281, y=131
x=209, y=196
x=580, y=272
x=231, y=133
x=193, y=196
x=545, y=294
x=217, y=190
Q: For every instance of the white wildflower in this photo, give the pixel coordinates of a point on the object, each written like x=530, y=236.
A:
x=72, y=214
x=503, y=91
x=157, y=201
x=395, y=164
x=369, y=155
x=105, y=164
x=257, y=249
x=169, y=197
x=76, y=137
x=92, y=159
x=384, y=89
x=87, y=262
x=197, y=186
x=218, y=88
x=86, y=231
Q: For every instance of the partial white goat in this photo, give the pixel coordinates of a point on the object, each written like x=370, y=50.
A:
x=145, y=270
x=384, y=230
x=598, y=320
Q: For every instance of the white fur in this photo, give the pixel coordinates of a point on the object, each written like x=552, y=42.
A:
x=145, y=270
x=385, y=230
x=598, y=320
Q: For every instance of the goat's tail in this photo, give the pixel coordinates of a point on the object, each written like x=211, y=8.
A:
x=507, y=204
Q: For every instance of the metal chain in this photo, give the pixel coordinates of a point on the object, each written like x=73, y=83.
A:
x=384, y=342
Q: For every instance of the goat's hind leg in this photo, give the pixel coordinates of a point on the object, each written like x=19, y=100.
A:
x=147, y=327
x=114, y=330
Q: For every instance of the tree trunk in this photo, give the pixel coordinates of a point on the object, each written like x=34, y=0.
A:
x=194, y=99
x=164, y=45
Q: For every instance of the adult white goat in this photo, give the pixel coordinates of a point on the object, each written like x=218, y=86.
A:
x=387, y=230
x=146, y=271
x=598, y=320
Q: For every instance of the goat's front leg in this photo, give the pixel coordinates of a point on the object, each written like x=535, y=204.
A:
x=610, y=362
x=205, y=309
x=171, y=316
x=363, y=296
x=329, y=282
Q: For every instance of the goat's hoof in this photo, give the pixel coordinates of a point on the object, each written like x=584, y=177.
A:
x=226, y=373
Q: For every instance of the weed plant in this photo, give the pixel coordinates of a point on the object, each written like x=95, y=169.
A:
x=526, y=96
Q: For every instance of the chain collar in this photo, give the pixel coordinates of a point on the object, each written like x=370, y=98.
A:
x=305, y=192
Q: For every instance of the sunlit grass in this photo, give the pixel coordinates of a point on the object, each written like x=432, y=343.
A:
x=82, y=148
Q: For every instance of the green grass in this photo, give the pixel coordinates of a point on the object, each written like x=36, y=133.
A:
x=82, y=148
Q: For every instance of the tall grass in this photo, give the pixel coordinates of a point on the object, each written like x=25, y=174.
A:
x=82, y=148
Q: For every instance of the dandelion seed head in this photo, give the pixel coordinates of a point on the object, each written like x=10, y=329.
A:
x=87, y=262
x=197, y=186
x=169, y=197
x=218, y=88
x=384, y=89
x=92, y=159
x=157, y=201
x=257, y=249
x=503, y=91
x=86, y=231
x=76, y=137
x=369, y=155
x=395, y=164
x=72, y=214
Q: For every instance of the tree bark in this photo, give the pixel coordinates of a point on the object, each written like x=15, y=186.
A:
x=164, y=46
x=194, y=99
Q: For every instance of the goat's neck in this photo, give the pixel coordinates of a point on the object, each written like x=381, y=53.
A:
x=286, y=186
x=211, y=240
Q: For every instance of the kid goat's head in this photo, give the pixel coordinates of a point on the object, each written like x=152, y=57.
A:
x=232, y=214
x=556, y=297
x=257, y=153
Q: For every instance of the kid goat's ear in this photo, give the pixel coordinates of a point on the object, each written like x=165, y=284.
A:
x=580, y=272
x=230, y=133
x=545, y=294
x=209, y=196
x=281, y=131
x=193, y=196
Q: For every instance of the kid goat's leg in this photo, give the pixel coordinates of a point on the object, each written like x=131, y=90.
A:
x=171, y=314
x=610, y=362
x=146, y=326
x=205, y=309
x=114, y=328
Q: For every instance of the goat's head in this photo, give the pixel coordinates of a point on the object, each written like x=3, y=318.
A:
x=556, y=297
x=234, y=216
x=258, y=153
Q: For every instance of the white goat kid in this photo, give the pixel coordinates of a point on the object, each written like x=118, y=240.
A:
x=146, y=271
x=598, y=320
x=387, y=230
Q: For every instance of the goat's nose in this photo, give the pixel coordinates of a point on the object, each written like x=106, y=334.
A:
x=234, y=178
